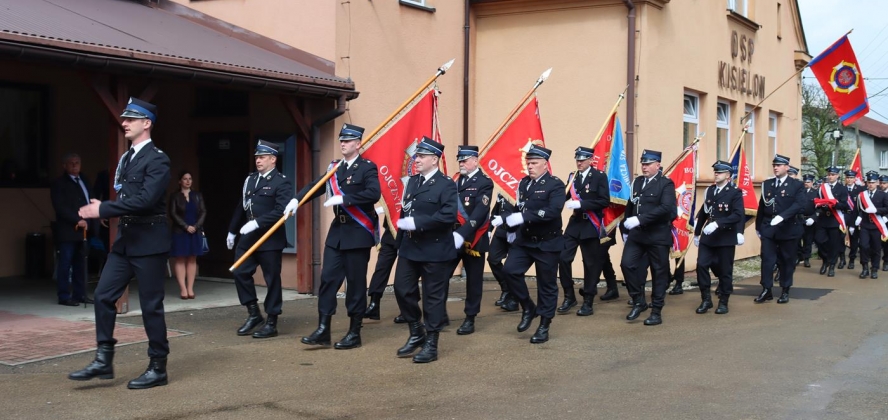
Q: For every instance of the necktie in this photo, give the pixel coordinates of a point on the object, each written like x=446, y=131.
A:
x=717, y=190
x=346, y=166
x=644, y=184
x=127, y=157
x=778, y=184
x=871, y=194
x=421, y=181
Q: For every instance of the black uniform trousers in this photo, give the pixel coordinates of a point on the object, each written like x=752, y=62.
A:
x=870, y=247
x=719, y=259
x=607, y=267
x=150, y=271
x=592, y=265
x=853, y=244
x=499, y=250
x=352, y=265
x=435, y=282
x=636, y=257
x=830, y=241
x=781, y=253
x=270, y=261
x=474, y=267
x=385, y=261
x=546, y=263
x=807, y=242
x=884, y=254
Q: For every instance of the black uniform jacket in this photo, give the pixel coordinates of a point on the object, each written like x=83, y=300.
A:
x=141, y=205
x=789, y=202
x=433, y=209
x=810, y=195
x=502, y=208
x=825, y=217
x=67, y=198
x=540, y=204
x=360, y=188
x=474, y=197
x=725, y=209
x=880, y=201
x=267, y=200
x=655, y=207
x=594, y=196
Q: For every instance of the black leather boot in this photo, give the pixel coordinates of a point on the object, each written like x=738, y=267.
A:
x=416, y=340
x=253, y=320
x=885, y=267
x=832, y=271
x=677, y=290
x=851, y=264
x=807, y=262
x=630, y=302
x=502, y=298
x=527, y=316
x=610, y=294
x=586, y=309
x=429, y=352
x=269, y=329
x=155, y=375
x=352, y=339
x=824, y=267
x=320, y=336
x=570, y=300
x=639, y=307
x=784, y=296
x=101, y=367
x=706, y=304
x=468, y=326
x=865, y=272
x=841, y=261
x=372, y=311
x=764, y=296
x=510, y=304
x=400, y=320
x=874, y=274
x=542, y=333
x=655, y=318
x=722, y=304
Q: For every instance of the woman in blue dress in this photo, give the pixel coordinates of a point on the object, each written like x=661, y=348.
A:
x=186, y=208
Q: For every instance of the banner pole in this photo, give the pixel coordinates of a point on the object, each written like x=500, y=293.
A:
x=514, y=111
x=441, y=70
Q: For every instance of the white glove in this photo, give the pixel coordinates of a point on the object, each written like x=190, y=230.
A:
x=697, y=241
x=510, y=237
x=333, y=201
x=230, y=241
x=458, y=240
x=625, y=237
x=710, y=228
x=809, y=221
x=249, y=227
x=291, y=207
x=870, y=210
x=857, y=221
x=631, y=223
x=740, y=239
x=851, y=231
x=884, y=219
x=379, y=210
x=759, y=234
x=572, y=204
x=497, y=221
x=515, y=219
x=776, y=220
x=406, y=223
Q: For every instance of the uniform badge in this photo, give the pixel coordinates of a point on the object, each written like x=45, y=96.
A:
x=473, y=223
x=467, y=200
x=541, y=213
x=348, y=180
x=485, y=200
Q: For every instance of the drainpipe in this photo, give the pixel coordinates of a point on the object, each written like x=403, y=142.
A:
x=466, y=76
x=630, y=79
x=316, y=245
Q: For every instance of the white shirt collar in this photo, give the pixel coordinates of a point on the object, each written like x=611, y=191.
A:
x=265, y=174
x=782, y=180
x=348, y=163
x=469, y=176
x=429, y=175
x=586, y=172
x=138, y=147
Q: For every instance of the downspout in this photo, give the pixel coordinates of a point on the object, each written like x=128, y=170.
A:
x=316, y=245
x=630, y=79
x=466, y=76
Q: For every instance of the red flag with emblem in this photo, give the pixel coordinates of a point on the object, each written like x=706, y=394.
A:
x=858, y=168
x=503, y=160
x=683, y=175
x=393, y=147
x=839, y=75
x=602, y=147
x=743, y=180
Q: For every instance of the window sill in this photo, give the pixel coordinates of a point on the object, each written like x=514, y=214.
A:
x=743, y=20
x=417, y=6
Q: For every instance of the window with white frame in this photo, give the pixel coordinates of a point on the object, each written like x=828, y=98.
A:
x=738, y=6
x=691, y=118
x=749, y=142
x=722, y=130
x=883, y=159
x=772, y=133
x=422, y=4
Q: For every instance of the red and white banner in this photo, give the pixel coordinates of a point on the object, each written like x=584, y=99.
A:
x=504, y=159
x=867, y=203
x=393, y=150
x=743, y=180
x=683, y=175
x=858, y=168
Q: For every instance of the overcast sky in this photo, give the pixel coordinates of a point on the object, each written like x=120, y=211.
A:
x=825, y=21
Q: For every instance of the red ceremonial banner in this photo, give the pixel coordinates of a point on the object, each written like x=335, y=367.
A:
x=743, y=181
x=683, y=176
x=393, y=151
x=504, y=159
x=603, y=145
x=839, y=75
x=857, y=167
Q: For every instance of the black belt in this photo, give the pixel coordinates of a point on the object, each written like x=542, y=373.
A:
x=142, y=220
x=541, y=237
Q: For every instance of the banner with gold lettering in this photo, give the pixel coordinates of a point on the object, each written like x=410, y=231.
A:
x=683, y=175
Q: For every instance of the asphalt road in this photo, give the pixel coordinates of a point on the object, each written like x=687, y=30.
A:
x=822, y=356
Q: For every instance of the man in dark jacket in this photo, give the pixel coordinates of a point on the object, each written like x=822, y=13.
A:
x=872, y=206
x=140, y=249
x=69, y=193
x=499, y=250
x=716, y=234
x=854, y=189
x=266, y=193
x=830, y=205
x=806, y=246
